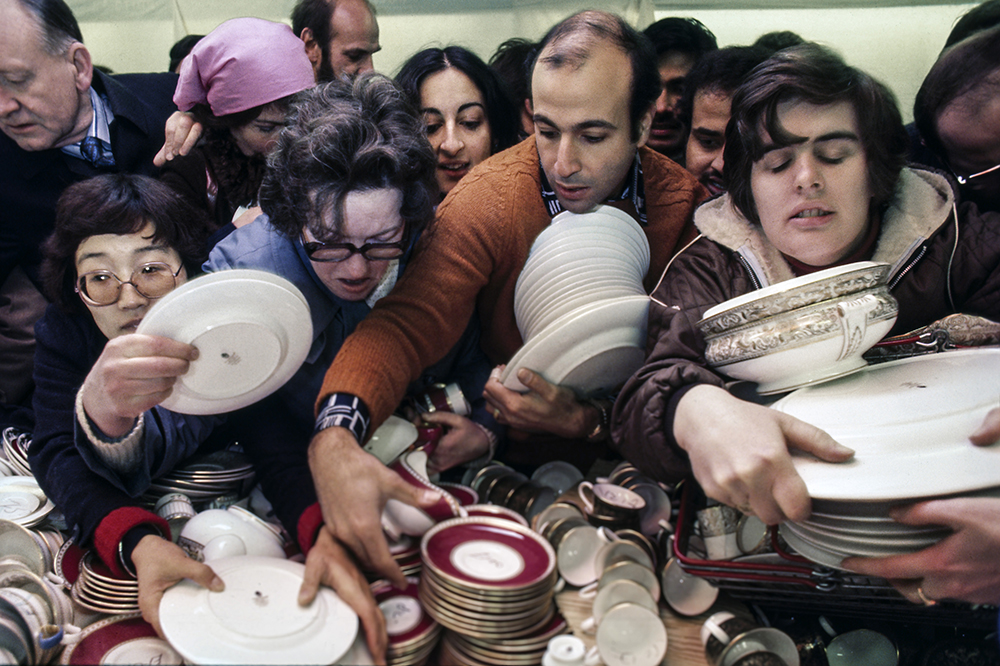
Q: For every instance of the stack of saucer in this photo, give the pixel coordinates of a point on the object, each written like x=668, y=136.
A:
x=100, y=590
x=406, y=552
x=221, y=474
x=15, y=447
x=489, y=579
x=580, y=303
x=413, y=634
x=465, y=650
x=909, y=426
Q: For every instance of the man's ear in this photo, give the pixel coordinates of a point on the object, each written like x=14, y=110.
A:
x=645, y=124
x=313, y=50
x=79, y=57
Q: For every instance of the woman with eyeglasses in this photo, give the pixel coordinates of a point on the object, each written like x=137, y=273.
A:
x=349, y=189
x=120, y=243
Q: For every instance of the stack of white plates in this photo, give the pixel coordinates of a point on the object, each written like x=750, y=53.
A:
x=909, y=423
x=205, y=478
x=99, y=589
x=580, y=303
x=22, y=501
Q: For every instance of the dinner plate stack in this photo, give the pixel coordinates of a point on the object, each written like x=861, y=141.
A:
x=462, y=649
x=15, y=447
x=413, y=634
x=580, y=303
x=490, y=581
x=98, y=589
x=206, y=478
x=908, y=422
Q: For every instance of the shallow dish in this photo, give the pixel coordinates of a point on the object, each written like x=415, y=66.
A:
x=257, y=619
x=252, y=328
x=909, y=426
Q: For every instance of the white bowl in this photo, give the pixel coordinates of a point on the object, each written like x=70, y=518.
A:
x=801, y=340
x=218, y=533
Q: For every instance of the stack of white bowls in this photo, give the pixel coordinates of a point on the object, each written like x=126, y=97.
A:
x=580, y=303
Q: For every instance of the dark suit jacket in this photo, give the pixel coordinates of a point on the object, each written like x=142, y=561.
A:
x=31, y=182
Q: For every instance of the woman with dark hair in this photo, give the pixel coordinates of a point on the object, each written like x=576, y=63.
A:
x=349, y=189
x=468, y=114
x=237, y=82
x=815, y=176
x=120, y=243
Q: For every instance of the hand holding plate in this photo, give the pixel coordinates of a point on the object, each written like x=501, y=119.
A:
x=740, y=452
x=329, y=563
x=962, y=566
x=353, y=486
x=159, y=564
x=544, y=408
x=133, y=373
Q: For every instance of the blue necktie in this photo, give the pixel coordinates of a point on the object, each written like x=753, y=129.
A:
x=97, y=152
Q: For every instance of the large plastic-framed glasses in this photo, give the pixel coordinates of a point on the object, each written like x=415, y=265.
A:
x=336, y=252
x=964, y=180
x=153, y=280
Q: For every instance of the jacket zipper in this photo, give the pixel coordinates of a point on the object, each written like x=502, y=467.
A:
x=906, y=269
x=750, y=271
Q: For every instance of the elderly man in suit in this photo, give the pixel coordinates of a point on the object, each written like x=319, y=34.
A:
x=62, y=122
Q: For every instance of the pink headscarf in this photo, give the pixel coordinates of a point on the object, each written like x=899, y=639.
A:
x=245, y=62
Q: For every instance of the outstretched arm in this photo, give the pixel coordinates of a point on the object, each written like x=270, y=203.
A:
x=739, y=452
x=353, y=486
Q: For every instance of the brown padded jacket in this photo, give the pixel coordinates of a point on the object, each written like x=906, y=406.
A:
x=939, y=267
x=469, y=260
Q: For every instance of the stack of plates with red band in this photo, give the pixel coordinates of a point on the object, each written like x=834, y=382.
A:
x=413, y=634
x=463, y=649
x=909, y=426
x=580, y=304
x=490, y=580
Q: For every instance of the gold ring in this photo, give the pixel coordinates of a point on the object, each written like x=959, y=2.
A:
x=496, y=414
x=927, y=601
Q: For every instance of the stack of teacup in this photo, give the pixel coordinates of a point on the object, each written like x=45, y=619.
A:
x=503, y=486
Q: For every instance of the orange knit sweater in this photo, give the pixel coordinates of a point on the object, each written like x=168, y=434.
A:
x=470, y=258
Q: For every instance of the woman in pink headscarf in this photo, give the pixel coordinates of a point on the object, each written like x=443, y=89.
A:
x=237, y=82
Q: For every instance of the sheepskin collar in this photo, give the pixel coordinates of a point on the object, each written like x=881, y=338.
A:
x=921, y=204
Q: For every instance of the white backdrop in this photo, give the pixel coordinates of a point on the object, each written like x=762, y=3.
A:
x=895, y=43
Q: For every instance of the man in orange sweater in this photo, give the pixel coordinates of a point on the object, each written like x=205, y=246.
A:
x=593, y=87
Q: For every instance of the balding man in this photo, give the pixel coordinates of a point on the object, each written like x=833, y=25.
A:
x=340, y=36
x=62, y=122
x=594, y=84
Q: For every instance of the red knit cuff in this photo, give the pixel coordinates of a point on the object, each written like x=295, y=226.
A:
x=113, y=528
x=309, y=523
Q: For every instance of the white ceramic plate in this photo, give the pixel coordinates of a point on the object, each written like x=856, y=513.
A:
x=591, y=350
x=252, y=329
x=810, y=552
x=22, y=501
x=257, y=619
x=908, y=422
